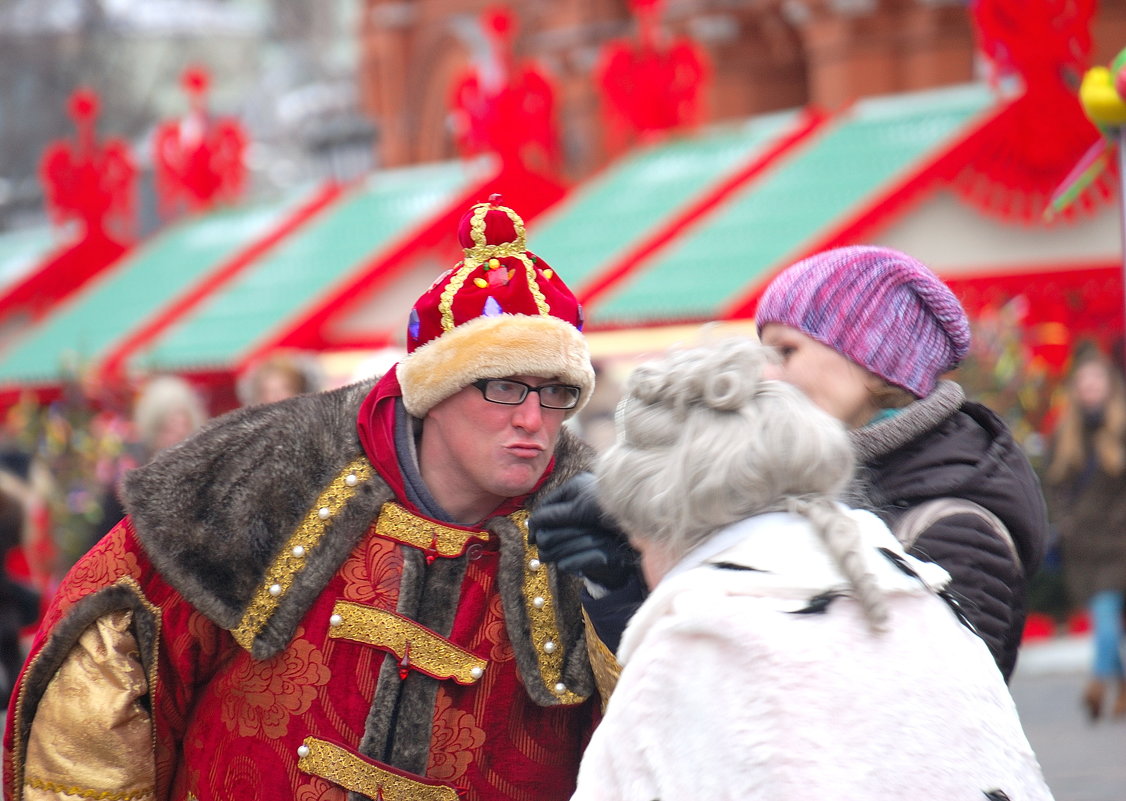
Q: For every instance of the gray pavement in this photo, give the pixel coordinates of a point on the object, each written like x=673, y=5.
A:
x=1081, y=761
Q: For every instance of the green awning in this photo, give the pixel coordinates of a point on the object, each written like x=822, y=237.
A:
x=873, y=144
x=86, y=326
x=309, y=263
x=604, y=218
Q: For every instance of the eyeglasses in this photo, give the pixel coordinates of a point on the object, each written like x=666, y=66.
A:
x=512, y=393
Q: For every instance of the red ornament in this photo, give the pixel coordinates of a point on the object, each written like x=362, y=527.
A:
x=651, y=86
x=1027, y=151
x=199, y=159
x=405, y=663
x=503, y=107
x=89, y=181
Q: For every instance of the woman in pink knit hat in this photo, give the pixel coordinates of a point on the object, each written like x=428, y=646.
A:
x=867, y=333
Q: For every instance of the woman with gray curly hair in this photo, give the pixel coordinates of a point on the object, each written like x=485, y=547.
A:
x=790, y=648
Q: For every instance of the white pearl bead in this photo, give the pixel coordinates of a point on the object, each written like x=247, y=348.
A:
x=538, y=602
x=351, y=479
x=298, y=551
x=275, y=590
x=325, y=513
x=302, y=750
x=534, y=564
x=560, y=688
x=549, y=647
x=335, y=620
x=476, y=673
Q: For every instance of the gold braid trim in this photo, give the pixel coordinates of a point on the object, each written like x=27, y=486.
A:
x=81, y=792
x=534, y=287
x=541, y=617
x=396, y=523
x=480, y=254
x=428, y=652
x=352, y=772
x=446, y=300
x=291, y=559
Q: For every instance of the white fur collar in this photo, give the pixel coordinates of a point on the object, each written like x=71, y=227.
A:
x=783, y=558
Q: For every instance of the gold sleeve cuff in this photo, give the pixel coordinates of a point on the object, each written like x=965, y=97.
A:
x=92, y=737
x=603, y=663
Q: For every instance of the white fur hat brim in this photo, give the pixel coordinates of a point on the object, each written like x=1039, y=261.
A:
x=495, y=347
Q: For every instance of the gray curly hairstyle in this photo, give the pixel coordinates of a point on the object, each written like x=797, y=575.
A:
x=704, y=440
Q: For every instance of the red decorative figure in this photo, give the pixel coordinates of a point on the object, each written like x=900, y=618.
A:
x=1028, y=150
x=88, y=181
x=199, y=158
x=505, y=108
x=651, y=87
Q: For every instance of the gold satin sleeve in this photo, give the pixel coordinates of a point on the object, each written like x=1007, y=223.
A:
x=603, y=663
x=91, y=737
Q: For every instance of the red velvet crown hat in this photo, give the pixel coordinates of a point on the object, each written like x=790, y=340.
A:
x=502, y=311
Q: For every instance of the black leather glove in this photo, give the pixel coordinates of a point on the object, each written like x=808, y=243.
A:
x=571, y=531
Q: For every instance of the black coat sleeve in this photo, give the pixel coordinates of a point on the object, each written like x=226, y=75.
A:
x=987, y=581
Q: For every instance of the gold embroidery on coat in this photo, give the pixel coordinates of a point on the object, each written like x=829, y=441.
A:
x=353, y=773
x=286, y=564
x=396, y=523
x=81, y=792
x=429, y=652
x=545, y=630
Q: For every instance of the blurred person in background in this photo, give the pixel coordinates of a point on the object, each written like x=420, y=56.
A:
x=279, y=376
x=19, y=602
x=867, y=333
x=1085, y=480
x=167, y=410
x=790, y=648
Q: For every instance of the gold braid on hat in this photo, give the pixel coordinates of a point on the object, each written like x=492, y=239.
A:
x=480, y=254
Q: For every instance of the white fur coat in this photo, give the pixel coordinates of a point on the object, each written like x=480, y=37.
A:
x=726, y=694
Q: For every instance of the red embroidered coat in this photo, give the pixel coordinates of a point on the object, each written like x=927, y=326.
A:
x=248, y=633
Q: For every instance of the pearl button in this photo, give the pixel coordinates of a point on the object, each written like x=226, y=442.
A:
x=298, y=551
x=538, y=602
x=351, y=480
x=534, y=564
x=476, y=673
x=302, y=750
x=560, y=688
x=335, y=620
x=549, y=647
x=325, y=513
x=275, y=590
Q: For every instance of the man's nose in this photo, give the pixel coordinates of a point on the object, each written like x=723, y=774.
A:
x=529, y=413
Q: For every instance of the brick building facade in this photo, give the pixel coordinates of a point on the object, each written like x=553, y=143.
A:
x=764, y=55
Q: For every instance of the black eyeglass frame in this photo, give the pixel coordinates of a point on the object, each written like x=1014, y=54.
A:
x=482, y=384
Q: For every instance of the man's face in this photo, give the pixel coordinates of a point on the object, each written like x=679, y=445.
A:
x=474, y=453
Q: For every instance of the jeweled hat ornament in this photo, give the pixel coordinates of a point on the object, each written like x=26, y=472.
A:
x=500, y=312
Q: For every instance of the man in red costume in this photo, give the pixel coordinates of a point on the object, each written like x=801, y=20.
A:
x=333, y=597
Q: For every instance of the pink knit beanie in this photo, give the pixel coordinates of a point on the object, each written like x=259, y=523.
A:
x=879, y=307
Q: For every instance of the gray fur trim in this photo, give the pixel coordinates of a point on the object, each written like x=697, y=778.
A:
x=212, y=512
x=879, y=439
x=65, y=634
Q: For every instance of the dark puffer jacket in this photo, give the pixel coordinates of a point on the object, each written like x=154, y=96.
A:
x=943, y=446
